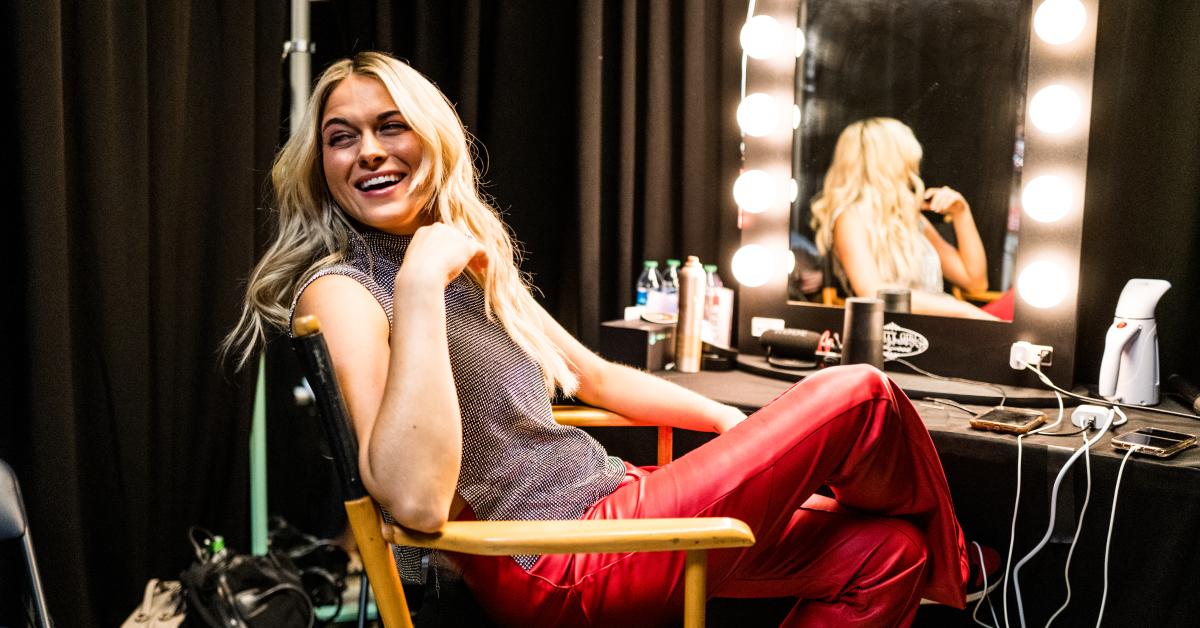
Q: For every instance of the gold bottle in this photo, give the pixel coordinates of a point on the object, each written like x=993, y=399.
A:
x=688, y=345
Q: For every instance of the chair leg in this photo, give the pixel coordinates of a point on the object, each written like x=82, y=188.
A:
x=35, y=582
x=377, y=560
x=665, y=449
x=694, y=592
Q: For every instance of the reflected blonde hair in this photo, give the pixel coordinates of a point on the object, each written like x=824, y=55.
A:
x=313, y=232
x=876, y=172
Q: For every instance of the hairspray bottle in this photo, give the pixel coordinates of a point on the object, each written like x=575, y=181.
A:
x=691, y=316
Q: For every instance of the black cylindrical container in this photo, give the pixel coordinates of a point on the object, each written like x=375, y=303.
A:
x=862, y=332
x=895, y=299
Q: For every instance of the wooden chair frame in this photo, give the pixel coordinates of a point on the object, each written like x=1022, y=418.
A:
x=695, y=536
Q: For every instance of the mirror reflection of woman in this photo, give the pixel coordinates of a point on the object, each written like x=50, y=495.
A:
x=869, y=215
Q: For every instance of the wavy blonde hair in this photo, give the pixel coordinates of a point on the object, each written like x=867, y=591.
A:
x=313, y=232
x=876, y=172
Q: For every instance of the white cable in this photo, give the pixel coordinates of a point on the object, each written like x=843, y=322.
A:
x=1087, y=496
x=1108, y=541
x=1016, y=573
x=983, y=570
x=1012, y=534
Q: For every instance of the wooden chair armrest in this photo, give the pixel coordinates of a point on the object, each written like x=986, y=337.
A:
x=983, y=296
x=505, y=538
x=587, y=416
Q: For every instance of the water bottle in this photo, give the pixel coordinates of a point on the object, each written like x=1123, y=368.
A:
x=671, y=277
x=712, y=305
x=648, y=281
x=691, y=315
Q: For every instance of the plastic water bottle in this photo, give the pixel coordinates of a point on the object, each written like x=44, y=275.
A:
x=712, y=304
x=648, y=281
x=671, y=277
x=711, y=278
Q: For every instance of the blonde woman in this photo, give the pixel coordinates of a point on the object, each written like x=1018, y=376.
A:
x=447, y=365
x=869, y=216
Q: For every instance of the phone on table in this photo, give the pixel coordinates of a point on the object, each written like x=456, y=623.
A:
x=1008, y=420
x=1154, y=441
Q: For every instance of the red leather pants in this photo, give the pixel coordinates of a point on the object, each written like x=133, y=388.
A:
x=865, y=560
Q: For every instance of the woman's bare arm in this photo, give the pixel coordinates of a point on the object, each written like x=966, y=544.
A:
x=638, y=395
x=966, y=265
x=399, y=387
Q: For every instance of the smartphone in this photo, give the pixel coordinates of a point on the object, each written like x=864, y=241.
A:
x=1008, y=420
x=1156, y=442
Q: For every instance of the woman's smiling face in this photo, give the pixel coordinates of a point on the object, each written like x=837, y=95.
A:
x=369, y=154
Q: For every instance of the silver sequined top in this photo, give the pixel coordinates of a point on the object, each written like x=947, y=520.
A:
x=517, y=463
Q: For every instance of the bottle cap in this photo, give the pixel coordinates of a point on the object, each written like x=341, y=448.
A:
x=710, y=268
x=650, y=263
x=217, y=545
x=672, y=262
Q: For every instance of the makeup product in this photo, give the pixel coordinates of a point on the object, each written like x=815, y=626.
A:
x=862, y=332
x=691, y=316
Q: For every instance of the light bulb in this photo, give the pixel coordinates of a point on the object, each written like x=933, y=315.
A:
x=1047, y=198
x=752, y=265
x=795, y=116
x=1055, y=109
x=793, y=190
x=754, y=191
x=761, y=36
x=1059, y=21
x=1042, y=285
x=757, y=115
x=800, y=41
x=787, y=261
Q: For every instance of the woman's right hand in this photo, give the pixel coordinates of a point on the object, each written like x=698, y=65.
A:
x=442, y=252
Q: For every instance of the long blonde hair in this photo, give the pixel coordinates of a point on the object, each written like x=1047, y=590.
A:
x=876, y=172
x=313, y=233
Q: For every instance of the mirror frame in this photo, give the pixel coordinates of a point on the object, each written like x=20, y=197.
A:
x=957, y=347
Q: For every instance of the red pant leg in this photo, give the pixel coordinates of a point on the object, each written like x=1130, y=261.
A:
x=849, y=428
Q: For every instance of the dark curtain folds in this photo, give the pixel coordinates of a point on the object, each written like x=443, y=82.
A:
x=141, y=132
x=1143, y=187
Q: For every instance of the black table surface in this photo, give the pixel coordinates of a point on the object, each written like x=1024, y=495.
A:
x=1154, y=562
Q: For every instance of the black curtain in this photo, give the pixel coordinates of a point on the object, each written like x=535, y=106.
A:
x=1143, y=186
x=139, y=132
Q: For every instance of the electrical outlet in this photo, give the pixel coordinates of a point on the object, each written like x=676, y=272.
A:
x=1024, y=353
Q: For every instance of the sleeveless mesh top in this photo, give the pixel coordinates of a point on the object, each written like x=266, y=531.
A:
x=517, y=463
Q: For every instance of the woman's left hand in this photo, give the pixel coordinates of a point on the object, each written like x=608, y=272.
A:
x=946, y=201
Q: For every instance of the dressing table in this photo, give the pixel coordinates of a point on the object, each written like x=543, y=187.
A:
x=1155, y=550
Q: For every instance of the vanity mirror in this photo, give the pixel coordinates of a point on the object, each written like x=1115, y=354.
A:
x=997, y=91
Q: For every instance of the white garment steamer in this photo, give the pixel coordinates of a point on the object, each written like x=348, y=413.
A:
x=1129, y=371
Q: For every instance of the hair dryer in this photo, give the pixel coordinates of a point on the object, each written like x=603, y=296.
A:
x=1129, y=370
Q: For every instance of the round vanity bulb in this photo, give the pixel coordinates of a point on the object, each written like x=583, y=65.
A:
x=787, y=261
x=795, y=116
x=754, y=191
x=1055, y=109
x=1047, y=198
x=1042, y=285
x=761, y=36
x=801, y=41
x=757, y=115
x=752, y=265
x=1059, y=21
x=793, y=190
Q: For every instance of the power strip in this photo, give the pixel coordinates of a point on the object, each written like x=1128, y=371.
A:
x=1025, y=353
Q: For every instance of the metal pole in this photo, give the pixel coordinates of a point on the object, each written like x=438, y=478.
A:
x=299, y=52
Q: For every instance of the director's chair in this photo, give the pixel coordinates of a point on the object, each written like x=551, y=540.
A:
x=497, y=538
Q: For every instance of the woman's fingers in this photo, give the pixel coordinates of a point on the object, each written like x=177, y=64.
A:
x=447, y=249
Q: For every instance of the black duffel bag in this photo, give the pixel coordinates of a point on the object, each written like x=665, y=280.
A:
x=229, y=590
